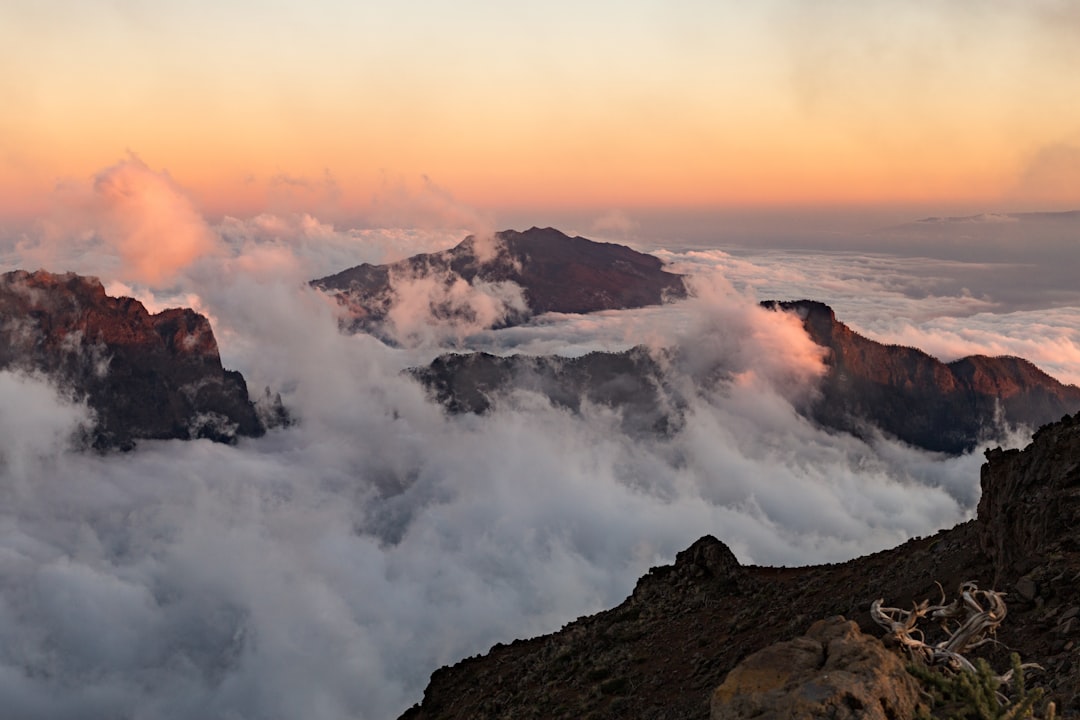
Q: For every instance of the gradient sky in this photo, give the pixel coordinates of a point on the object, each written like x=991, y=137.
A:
x=368, y=109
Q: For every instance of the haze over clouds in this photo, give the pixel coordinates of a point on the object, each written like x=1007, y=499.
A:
x=326, y=569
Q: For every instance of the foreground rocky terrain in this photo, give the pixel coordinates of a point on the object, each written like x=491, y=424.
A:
x=665, y=651
x=555, y=272
x=868, y=386
x=144, y=376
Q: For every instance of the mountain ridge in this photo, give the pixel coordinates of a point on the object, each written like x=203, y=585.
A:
x=868, y=386
x=144, y=376
x=556, y=273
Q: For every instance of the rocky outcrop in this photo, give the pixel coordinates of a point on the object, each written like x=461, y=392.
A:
x=556, y=273
x=144, y=376
x=1030, y=501
x=833, y=671
x=631, y=381
x=917, y=398
x=686, y=627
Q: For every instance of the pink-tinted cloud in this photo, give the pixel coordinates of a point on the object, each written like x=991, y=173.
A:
x=151, y=224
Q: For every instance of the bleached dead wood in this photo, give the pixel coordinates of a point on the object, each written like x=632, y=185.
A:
x=968, y=622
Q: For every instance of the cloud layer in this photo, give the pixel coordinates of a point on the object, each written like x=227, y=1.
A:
x=325, y=570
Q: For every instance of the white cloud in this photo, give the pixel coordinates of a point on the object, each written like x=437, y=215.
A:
x=326, y=569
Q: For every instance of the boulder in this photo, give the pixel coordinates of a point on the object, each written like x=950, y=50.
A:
x=834, y=671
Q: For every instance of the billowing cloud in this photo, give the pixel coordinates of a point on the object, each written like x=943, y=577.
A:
x=131, y=224
x=148, y=220
x=327, y=569
x=432, y=309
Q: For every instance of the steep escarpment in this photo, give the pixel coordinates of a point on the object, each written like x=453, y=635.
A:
x=867, y=386
x=144, y=376
x=554, y=272
x=664, y=651
x=917, y=398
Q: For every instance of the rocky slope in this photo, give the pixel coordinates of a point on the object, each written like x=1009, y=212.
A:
x=556, y=272
x=900, y=391
x=144, y=376
x=919, y=399
x=662, y=653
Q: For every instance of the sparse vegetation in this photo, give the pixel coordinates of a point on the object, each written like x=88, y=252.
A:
x=977, y=695
x=957, y=687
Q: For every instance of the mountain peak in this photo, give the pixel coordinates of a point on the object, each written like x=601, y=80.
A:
x=554, y=271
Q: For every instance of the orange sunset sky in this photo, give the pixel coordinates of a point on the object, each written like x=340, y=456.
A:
x=351, y=108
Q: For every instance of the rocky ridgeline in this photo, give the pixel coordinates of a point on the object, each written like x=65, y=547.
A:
x=915, y=397
x=556, y=272
x=900, y=391
x=683, y=644
x=144, y=376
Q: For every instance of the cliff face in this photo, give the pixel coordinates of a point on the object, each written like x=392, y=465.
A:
x=919, y=399
x=556, y=272
x=1030, y=503
x=144, y=376
x=663, y=652
x=900, y=391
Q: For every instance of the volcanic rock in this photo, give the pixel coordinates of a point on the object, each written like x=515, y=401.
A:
x=1031, y=500
x=833, y=671
x=663, y=652
x=900, y=391
x=631, y=381
x=556, y=272
x=144, y=376
x=917, y=398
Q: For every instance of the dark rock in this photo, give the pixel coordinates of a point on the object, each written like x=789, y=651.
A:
x=557, y=273
x=834, y=671
x=902, y=392
x=686, y=626
x=1026, y=588
x=144, y=376
x=630, y=381
x=1031, y=498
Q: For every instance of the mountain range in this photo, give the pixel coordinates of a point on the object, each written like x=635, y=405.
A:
x=867, y=386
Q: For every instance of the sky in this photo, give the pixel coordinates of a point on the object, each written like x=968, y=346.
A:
x=377, y=113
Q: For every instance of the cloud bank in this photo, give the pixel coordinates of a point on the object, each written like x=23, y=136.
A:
x=325, y=570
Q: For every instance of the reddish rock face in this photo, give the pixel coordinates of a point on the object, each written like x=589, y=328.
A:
x=899, y=390
x=557, y=273
x=144, y=376
x=919, y=399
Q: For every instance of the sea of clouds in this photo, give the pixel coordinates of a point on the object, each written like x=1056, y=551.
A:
x=325, y=570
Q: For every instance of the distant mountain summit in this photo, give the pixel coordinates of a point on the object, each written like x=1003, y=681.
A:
x=144, y=376
x=555, y=273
